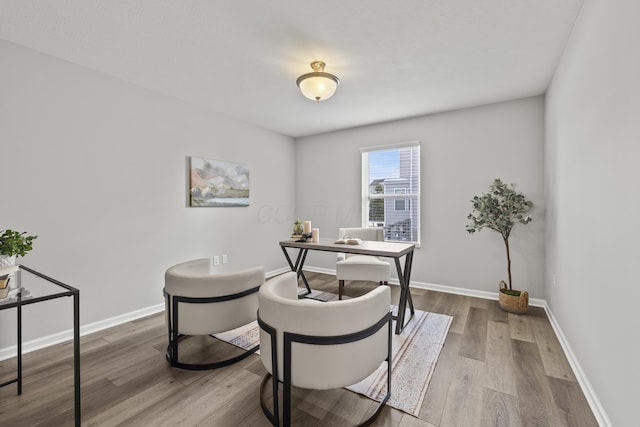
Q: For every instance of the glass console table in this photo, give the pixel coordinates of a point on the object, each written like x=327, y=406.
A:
x=34, y=287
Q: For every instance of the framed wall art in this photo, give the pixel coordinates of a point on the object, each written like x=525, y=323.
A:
x=216, y=183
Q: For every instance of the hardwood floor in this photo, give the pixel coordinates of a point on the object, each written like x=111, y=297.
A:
x=495, y=369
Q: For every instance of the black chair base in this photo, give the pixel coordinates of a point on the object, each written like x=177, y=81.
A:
x=207, y=366
x=275, y=418
x=173, y=303
x=341, y=287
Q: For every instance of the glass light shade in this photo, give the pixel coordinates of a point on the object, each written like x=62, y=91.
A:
x=318, y=85
x=318, y=88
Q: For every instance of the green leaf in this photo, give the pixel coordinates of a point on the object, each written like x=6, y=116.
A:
x=499, y=210
x=15, y=243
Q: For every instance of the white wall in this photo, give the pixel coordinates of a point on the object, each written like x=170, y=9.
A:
x=461, y=153
x=592, y=152
x=97, y=169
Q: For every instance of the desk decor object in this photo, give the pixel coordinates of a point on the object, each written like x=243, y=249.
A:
x=304, y=237
x=298, y=229
x=302, y=232
x=216, y=183
x=349, y=241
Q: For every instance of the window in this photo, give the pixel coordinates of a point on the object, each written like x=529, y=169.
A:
x=401, y=204
x=391, y=190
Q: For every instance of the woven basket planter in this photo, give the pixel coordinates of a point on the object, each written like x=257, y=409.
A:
x=513, y=304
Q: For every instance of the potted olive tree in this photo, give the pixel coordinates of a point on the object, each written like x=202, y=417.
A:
x=499, y=210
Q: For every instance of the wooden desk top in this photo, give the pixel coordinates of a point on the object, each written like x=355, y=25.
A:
x=383, y=249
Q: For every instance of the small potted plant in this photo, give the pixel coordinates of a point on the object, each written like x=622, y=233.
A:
x=298, y=229
x=12, y=244
x=499, y=210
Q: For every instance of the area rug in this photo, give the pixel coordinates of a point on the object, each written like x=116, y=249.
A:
x=415, y=354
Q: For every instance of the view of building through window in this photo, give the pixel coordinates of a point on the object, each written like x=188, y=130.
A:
x=391, y=190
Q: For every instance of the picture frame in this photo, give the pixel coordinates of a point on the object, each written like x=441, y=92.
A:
x=217, y=183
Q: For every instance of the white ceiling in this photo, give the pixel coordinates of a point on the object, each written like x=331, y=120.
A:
x=395, y=59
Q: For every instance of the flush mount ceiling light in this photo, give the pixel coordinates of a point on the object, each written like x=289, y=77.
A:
x=318, y=85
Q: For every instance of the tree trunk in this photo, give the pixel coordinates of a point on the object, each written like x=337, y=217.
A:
x=506, y=244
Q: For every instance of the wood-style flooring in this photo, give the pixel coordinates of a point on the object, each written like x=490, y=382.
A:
x=495, y=369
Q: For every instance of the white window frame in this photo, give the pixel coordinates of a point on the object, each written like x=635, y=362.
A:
x=406, y=202
x=413, y=198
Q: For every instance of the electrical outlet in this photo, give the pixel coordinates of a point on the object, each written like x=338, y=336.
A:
x=554, y=280
x=216, y=260
x=225, y=259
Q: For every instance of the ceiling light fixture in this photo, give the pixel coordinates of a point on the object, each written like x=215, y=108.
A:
x=318, y=85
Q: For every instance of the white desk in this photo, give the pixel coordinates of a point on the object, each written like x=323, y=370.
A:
x=383, y=249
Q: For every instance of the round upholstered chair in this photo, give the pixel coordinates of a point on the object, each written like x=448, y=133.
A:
x=361, y=267
x=200, y=300
x=343, y=341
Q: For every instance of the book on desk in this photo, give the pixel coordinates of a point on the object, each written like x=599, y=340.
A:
x=349, y=241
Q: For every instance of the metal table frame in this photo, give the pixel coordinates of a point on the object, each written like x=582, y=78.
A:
x=18, y=303
x=381, y=249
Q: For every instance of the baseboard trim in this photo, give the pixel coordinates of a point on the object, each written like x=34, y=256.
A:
x=270, y=274
x=587, y=389
x=320, y=270
x=535, y=302
x=589, y=393
x=592, y=399
x=67, y=335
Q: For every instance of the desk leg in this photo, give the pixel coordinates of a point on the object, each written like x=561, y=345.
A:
x=297, y=267
x=405, y=292
x=408, y=265
x=76, y=356
x=300, y=272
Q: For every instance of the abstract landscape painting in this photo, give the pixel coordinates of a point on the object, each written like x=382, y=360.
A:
x=217, y=183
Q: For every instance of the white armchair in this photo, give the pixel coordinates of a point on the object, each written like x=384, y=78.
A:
x=199, y=301
x=320, y=345
x=361, y=267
